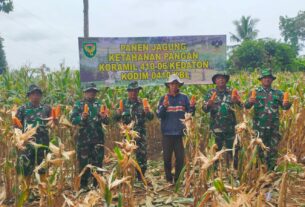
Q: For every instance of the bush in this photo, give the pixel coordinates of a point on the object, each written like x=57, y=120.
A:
x=252, y=54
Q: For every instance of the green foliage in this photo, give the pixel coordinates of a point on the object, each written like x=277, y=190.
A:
x=252, y=54
x=245, y=29
x=63, y=87
x=3, y=63
x=108, y=196
x=58, y=87
x=120, y=200
x=219, y=185
x=293, y=29
x=290, y=167
x=299, y=64
x=279, y=56
x=181, y=176
x=248, y=56
x=118, y=153
x=6, y=6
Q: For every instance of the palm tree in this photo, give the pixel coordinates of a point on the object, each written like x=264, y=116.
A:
x=86, y=18
x=6, y=6
x=245, y=29
x=3, y=63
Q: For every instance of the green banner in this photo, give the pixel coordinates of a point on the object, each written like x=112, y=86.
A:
x=150, y=60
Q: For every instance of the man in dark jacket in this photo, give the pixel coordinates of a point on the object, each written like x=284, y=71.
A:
x=172, y=107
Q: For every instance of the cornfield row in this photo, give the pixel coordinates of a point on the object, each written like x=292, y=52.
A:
x=200, y=183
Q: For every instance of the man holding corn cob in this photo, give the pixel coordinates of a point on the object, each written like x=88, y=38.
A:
x=220, y=102
x=266, y=102
x=33, y=114
x=89, y=115
x=171, y=109
x=137, y=110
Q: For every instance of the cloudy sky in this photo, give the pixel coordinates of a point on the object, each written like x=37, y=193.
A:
x=47, y=31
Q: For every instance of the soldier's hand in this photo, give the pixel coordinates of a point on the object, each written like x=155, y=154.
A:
x=146, y=109
x=210, y=103
x=286, y=103
x=103, y=114
x=85, y=115
x=235, y=99
x=118, y=111
x=252, y=100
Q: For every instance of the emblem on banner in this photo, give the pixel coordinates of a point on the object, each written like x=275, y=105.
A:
x=89, y=49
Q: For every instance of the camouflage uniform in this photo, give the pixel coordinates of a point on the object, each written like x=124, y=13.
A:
x=223, y=120
x=134, y=111
x=28, y=114
x=90, y=136
x=266, y=118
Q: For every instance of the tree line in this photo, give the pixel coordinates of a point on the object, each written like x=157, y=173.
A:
x=247, y=54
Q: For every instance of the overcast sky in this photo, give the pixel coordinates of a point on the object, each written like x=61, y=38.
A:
x=46, y=31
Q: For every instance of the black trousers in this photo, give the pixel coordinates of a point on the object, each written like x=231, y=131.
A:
x=172, y=143
x=227, y=140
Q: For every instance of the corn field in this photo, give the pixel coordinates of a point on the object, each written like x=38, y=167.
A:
x=200, y=182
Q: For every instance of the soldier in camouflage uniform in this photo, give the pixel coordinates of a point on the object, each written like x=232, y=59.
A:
x=33, y=114
x=90, y=139
x=222, y=116
x=266, y=114
x=134, y=111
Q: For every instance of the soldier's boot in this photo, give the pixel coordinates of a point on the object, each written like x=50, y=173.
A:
x=139, y=177
x=95, y=183
x=228, y=158
x=84, y=183
x=235, y=158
